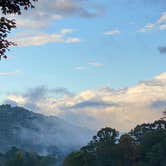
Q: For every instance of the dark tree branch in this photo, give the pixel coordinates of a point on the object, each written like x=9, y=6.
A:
x=15, y=6
x=6, y=25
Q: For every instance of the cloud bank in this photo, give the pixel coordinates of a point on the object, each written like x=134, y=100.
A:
x=47, y=12
x=121, y=108
x=32, y=24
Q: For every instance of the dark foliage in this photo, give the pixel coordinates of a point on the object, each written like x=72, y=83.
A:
x=17, y=157
x=143, y=146
x=6, y=25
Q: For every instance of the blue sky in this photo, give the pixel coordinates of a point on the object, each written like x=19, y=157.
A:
x=106, y=45
x=75, y=58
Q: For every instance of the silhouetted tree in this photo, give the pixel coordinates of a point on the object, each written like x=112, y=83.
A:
x=145, y=145
x=98, y=152
x=164, y=115
x=6, y=25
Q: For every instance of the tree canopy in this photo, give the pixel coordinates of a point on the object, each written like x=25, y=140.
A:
x=145, y=145
x=6, y=25
x=18, y=157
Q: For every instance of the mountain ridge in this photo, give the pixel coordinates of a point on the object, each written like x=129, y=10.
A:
x=36, y=132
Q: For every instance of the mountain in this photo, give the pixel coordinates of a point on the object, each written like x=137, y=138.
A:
x=35, y=132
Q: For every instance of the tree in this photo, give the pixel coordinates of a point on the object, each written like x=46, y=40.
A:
x=128, y=151
x=81, y=158
x=6, y=25
x=98, y=152
x=143, y=146
x=164, y=115
x=139, y=131
x=107, y=135
x=17, y=157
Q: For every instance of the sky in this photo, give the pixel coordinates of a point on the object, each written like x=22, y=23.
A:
x=94, y=61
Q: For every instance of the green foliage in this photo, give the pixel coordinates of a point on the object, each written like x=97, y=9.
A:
x=17, y=157
x=79, y=158
x=143, y=146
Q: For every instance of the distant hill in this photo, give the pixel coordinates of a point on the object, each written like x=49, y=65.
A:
x=35, y=132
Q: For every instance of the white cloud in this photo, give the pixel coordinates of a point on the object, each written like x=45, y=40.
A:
x=112, y=32
x=72, y=40
x=147, y=27
x=96, y=64
x=93, y=64
x=46, y=12
x=26, y=23
x=122, y=108
x=163, y=26
x=67, y=31
x=80, y=68
x=162, y=18
x=14, y=73
x=159, y=24
x=37, y=38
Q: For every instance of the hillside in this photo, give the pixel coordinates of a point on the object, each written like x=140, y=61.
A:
x=35, y=132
